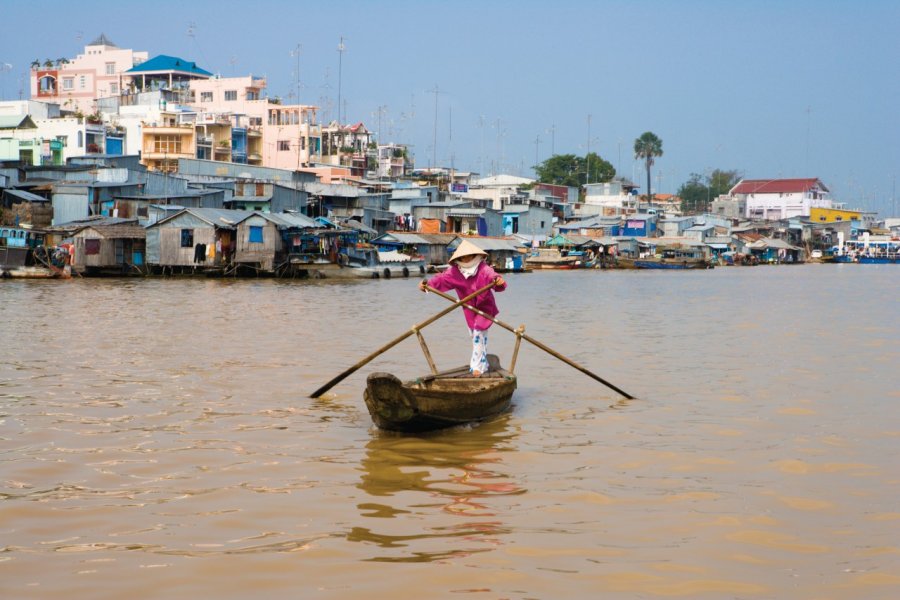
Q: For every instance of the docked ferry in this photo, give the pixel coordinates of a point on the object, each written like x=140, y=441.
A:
x=868, y=252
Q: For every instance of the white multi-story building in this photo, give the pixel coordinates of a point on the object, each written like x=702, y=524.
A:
x=498, y=190
x=775, y=199
x=77, y=83
x=609, y=198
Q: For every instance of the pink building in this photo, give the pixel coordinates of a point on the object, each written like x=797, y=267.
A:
x=77, y=83
x=290, y=136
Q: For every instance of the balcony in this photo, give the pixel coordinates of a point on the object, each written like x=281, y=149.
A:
x=167, y=156
x=168, y=129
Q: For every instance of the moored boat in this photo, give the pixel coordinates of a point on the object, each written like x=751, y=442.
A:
x=868, y=251
x=23, y=255
x=668, y=258
x=552, y=258
x=369, y=263
x=439, y=400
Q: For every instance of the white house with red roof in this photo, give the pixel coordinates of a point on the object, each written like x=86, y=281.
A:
x=774, y=199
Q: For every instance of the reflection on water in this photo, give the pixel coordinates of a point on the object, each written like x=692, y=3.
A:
x=456, y=473
x=156, y=440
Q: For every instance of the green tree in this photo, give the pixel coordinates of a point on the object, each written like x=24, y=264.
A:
x=575, y=171
x=694, y=194
x=647, y=148
x=599, y=170
x=721, y=182
x=698, y=192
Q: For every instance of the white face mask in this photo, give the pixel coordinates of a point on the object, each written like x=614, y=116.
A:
x=469, y=267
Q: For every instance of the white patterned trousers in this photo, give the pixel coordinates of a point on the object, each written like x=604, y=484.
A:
x=479, y=351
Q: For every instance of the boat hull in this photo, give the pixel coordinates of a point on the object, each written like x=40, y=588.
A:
x=35, y=273
x=438, y=401
x=660, y=264
x=868, y=260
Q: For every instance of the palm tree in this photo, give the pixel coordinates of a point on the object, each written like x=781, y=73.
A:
x=647, y=147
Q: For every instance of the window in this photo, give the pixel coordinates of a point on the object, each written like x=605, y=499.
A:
x=68, y=83
x=167, y=144
x=230, y=95
x=256, y=234
x=187, y=238
x=81, y=139
x=92, y=246
x=205, y=96
x=82, y=82
x=284, y=145
x=114, y=89
x=110, y=68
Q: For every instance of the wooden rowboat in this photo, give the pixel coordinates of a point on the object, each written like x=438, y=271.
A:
x=440, y=400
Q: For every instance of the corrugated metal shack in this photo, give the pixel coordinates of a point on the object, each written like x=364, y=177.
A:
x=110, y=246
x=194, y=239
x=264, y=240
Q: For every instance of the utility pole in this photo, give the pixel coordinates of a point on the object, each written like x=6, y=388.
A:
x=379, y=113
x=436, y=91
x=587, y=157
x=296, y=52
x=553, y=139
x=537, y=145
x=341, y=49
x=481, y=126
x=499, y=160
x=806, y=166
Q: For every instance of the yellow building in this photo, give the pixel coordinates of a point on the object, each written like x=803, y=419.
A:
x=834, y=215
x=163, y=143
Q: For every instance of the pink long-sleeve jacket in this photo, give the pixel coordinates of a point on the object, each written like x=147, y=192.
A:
x=452, y=279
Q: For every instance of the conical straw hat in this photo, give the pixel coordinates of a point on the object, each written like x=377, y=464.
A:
x=467, y=248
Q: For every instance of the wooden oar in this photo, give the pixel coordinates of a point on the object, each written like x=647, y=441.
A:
x=543, y=347
x=392, y=343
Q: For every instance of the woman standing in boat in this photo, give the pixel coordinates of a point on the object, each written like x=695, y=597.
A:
x=468, y=273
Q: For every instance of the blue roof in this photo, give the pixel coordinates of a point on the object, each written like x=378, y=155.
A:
x=168, y=63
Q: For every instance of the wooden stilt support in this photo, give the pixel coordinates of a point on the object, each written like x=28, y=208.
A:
x=519, y=331
x=427, y=354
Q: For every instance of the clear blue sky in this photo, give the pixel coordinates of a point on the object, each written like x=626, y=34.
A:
x=788, y=88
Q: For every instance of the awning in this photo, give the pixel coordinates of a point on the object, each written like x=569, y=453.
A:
x=718, y=246
x=27, y=196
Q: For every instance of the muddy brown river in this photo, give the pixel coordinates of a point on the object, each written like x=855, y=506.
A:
x=157, y=441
